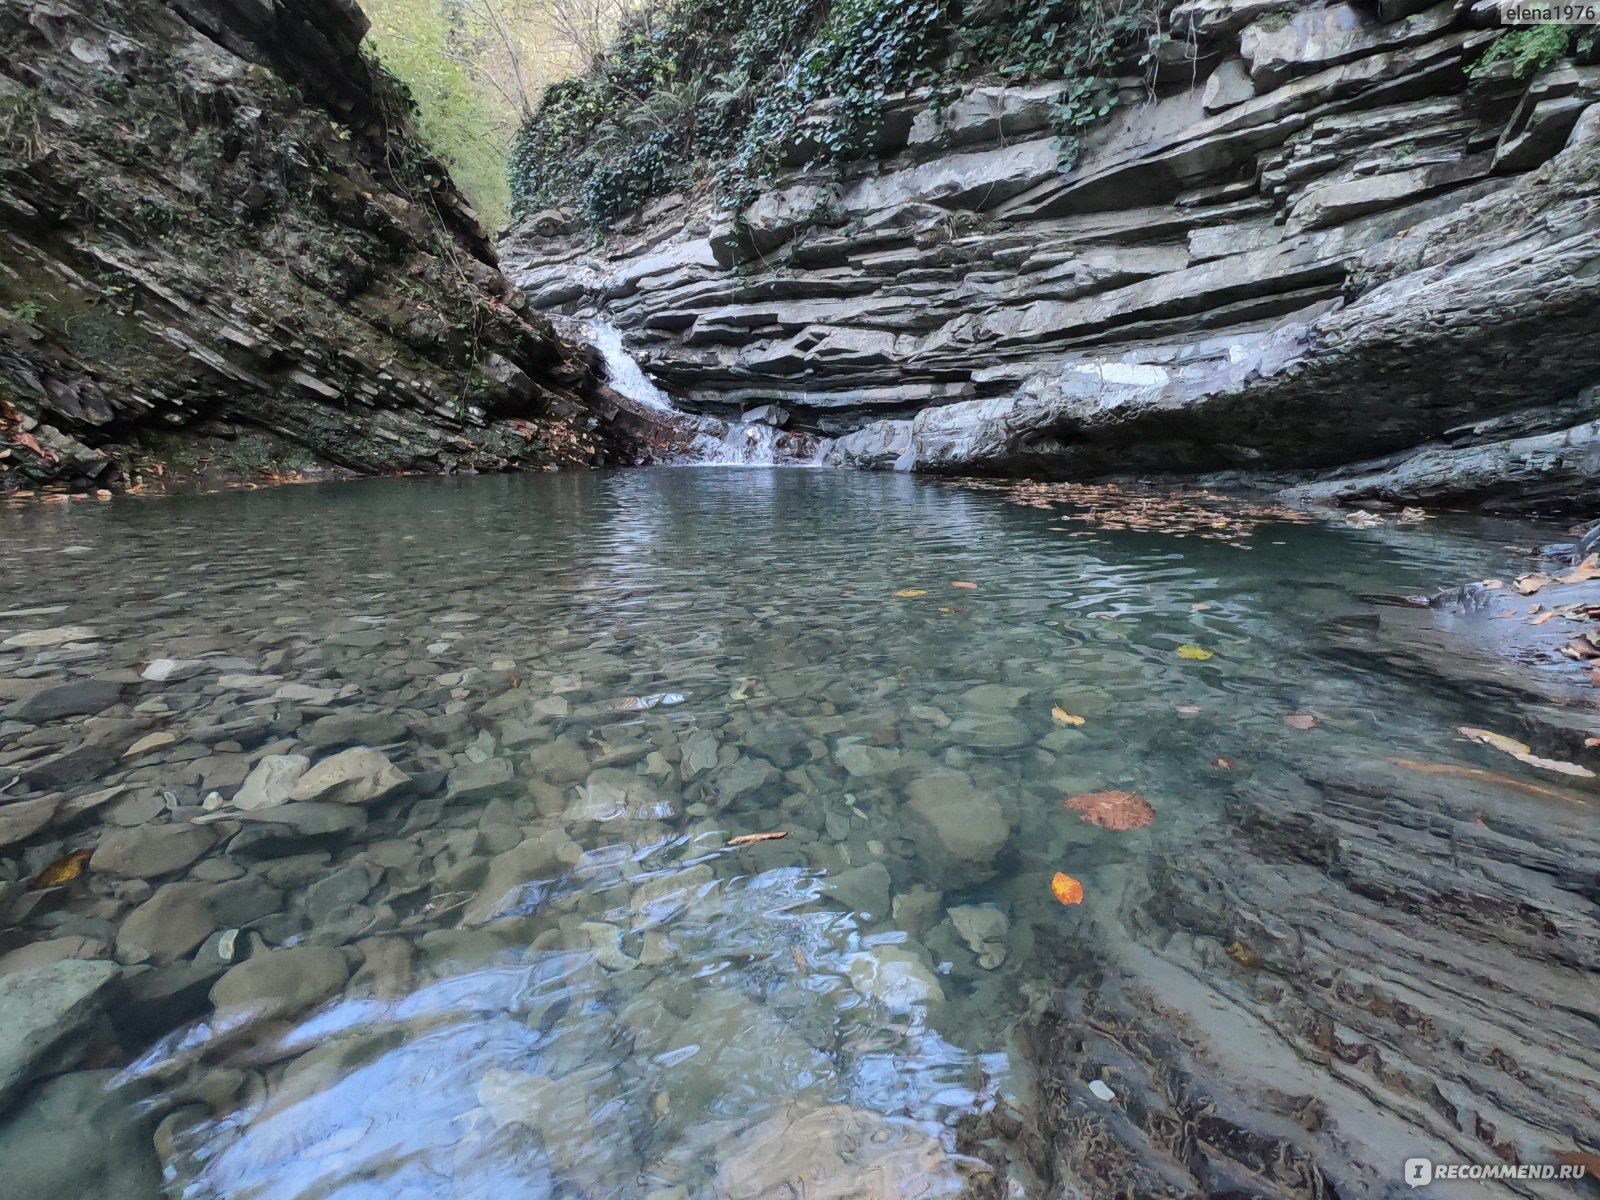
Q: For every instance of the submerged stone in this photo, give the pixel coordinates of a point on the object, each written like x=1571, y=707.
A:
x=959, y=829
x=42, y=1009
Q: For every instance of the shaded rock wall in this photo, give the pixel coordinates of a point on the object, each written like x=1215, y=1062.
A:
x=220, y=241
x=1320, y=240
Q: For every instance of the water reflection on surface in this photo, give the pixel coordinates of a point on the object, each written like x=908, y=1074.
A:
x=558, y=977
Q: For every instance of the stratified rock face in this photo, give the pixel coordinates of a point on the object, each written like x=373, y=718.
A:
x=216, y=223
x=1323, y=241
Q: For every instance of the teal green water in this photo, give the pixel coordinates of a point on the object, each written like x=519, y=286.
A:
x=558, y=979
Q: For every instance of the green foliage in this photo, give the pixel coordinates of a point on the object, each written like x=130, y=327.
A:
x=754, y=85
x=419, y=43
x=28, y=312
x=1529, y=49
x=1080, y=42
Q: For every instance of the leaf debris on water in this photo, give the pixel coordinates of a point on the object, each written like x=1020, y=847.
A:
x=750, y=839
x=1066, y=889
x=64, y=870
x=1114, y=810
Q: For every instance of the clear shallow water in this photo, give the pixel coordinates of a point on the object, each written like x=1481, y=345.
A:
x=542, y=969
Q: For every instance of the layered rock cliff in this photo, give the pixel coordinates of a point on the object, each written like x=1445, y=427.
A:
x=222, y=243
x=1337, y=244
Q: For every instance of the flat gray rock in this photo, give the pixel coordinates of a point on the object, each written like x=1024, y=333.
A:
x=150, y=850
x=78, y=698
x=21, y=819
x=41, y=1008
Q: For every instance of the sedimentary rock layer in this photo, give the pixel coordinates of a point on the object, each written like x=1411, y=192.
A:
x=1321, y=240
x=215, y=222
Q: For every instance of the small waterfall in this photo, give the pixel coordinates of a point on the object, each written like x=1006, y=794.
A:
x=624, y=374
x=700, y=439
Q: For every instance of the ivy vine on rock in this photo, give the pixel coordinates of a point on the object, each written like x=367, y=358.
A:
x=737, y=90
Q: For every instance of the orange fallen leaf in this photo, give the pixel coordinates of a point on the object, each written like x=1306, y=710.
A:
x=1224, y=763
x=1117, y=811
x=1588, y=569
x=28, y=442
x=1529, y=584
x=1590, y=743
x=1493, y=584
x=1188, y=710
x=1066, y=889
x=64, y=870
x=1300, y=721
x=1062, y=717
x=750, y=839
x=962, y=583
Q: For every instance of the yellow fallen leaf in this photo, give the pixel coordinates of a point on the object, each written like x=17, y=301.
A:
x=1188, y=710
x=750, y=839
x=1063, y=717
x=908, y=593
x=952, y=608
x=64, y=870
x=1498, y=740
x=1194, y=653
x=1066, y=889
x=150, y=741
x=1244, y=955
x=1551, y=764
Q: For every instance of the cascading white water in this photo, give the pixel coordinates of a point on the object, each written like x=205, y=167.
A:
x=710, y=441
x=624, y=374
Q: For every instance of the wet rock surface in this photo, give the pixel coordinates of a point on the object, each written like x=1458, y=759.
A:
x=228, y=252
x=81, y=1135
x=1330, y=238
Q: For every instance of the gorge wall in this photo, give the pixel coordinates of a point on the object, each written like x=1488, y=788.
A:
x=1341, y=246
x=220, y=243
